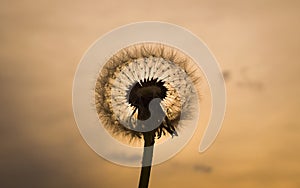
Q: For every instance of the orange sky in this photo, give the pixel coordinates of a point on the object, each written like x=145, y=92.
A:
x=256, y=42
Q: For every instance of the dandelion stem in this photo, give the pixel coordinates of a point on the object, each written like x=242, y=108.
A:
x=147, y=159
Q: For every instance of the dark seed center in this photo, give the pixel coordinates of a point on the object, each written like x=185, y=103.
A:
x=141, y=94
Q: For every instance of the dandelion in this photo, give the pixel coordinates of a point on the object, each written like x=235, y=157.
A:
x=142, y=92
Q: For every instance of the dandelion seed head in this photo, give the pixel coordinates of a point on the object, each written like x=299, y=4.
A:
x=136, y=75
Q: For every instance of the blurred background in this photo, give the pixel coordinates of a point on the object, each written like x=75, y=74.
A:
x=255, y=42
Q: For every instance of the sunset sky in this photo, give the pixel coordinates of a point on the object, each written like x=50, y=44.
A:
x=256, y=43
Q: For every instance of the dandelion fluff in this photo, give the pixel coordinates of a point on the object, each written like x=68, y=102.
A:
x=145, y=72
